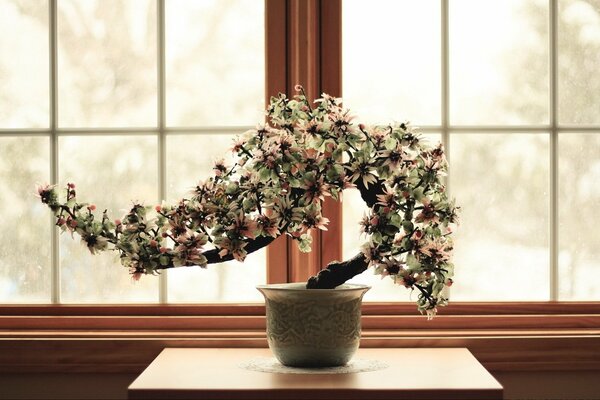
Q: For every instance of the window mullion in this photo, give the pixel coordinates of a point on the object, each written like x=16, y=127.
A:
x=276, y=81
x=445, y=80
x=53, y=123
x=161, y=115
x=553, y=73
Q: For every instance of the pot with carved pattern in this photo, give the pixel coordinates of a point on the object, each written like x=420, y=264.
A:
x=313, y=327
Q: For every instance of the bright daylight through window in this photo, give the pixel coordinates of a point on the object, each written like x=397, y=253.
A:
x=511, y=88
x=143, y=96
x=134, y=99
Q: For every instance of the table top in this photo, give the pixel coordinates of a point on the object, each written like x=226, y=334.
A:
x=193, y=373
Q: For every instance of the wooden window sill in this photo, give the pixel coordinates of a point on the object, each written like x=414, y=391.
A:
x=503, y=336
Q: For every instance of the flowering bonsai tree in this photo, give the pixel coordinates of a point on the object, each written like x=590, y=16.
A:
x=281, y=175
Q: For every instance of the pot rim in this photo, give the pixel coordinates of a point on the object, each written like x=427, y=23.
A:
x=301, y=287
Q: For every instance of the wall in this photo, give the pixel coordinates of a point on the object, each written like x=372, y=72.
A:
x=575, y=385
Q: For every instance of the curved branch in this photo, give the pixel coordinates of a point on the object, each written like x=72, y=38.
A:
x=213, y=257
x=338, y=272
x=369, y=195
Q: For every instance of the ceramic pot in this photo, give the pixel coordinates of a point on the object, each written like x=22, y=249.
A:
x=313, y=327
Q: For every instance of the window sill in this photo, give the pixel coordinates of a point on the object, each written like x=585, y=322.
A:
x=503, y=336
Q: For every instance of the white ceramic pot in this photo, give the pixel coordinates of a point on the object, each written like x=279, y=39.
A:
x=313, y=327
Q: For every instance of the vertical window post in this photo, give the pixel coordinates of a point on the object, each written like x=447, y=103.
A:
x=309, y=56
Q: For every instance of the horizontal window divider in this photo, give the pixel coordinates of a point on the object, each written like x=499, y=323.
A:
x=214, y=130
x=218, y=130
x=208, y=129
x=577, y=129
x=499, y=128
x=544, y=129
x=107, y=131
x=24, y=132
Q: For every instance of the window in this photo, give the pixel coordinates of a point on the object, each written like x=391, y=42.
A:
x=161, y=81
x=132, y=100
x=304, y=45
x=510, y=89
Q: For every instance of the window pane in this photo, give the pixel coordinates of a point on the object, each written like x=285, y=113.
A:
x=107, y=63
x=111, y=172
x=215, y=62
x=391, y=60
x=499, y=62
x=579, y=198
x=578, y=60
x=353, y=209
x=190, y=159
x=25, y=241
x=24, y=93
x=501, y=182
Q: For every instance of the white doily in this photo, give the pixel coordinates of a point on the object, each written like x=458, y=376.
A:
x=270, y=364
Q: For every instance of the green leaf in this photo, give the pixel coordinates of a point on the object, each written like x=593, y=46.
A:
x=412, y=261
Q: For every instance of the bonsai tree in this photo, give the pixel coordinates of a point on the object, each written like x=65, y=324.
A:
x=281, y=175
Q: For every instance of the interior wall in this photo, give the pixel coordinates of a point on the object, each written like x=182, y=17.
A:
x=550, y=385
x=556, y=385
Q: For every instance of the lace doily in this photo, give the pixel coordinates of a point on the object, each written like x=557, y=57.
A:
x=270, y=364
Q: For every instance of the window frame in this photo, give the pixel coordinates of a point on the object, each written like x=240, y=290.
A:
x=303, y=44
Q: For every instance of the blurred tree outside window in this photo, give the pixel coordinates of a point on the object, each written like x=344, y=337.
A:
x=131, y=117
x=498, y=124
x=124, y=99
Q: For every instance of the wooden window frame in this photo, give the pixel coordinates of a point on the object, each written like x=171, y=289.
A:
x=303, y=43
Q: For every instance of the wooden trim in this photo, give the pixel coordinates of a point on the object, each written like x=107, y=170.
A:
x=83, y=338
x=330, y=52
x=465, y=324
x=303, y=68
x=121, y=354
x=470, y=319
x=304, y=47
x=276, y=82
x=451, y=325
x=235, y=309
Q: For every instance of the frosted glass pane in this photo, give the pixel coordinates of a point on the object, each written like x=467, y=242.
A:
x=353, y=209
x=112, y=172
x=189, y=159
x=25, y=241
x=24, y=93
x=107, y=63
x=579, y=201
x=215, y=70
x=501, y=245
x=230, y=282
x=578, y=60
x=391, y=60
x=499, y=62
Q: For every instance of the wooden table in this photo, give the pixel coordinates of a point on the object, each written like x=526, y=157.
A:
x=193, y=373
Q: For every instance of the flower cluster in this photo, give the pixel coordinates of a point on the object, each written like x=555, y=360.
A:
x=282, y=172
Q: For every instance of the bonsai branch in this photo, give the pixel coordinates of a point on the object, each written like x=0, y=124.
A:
x=338, y=272
x=213, y=257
